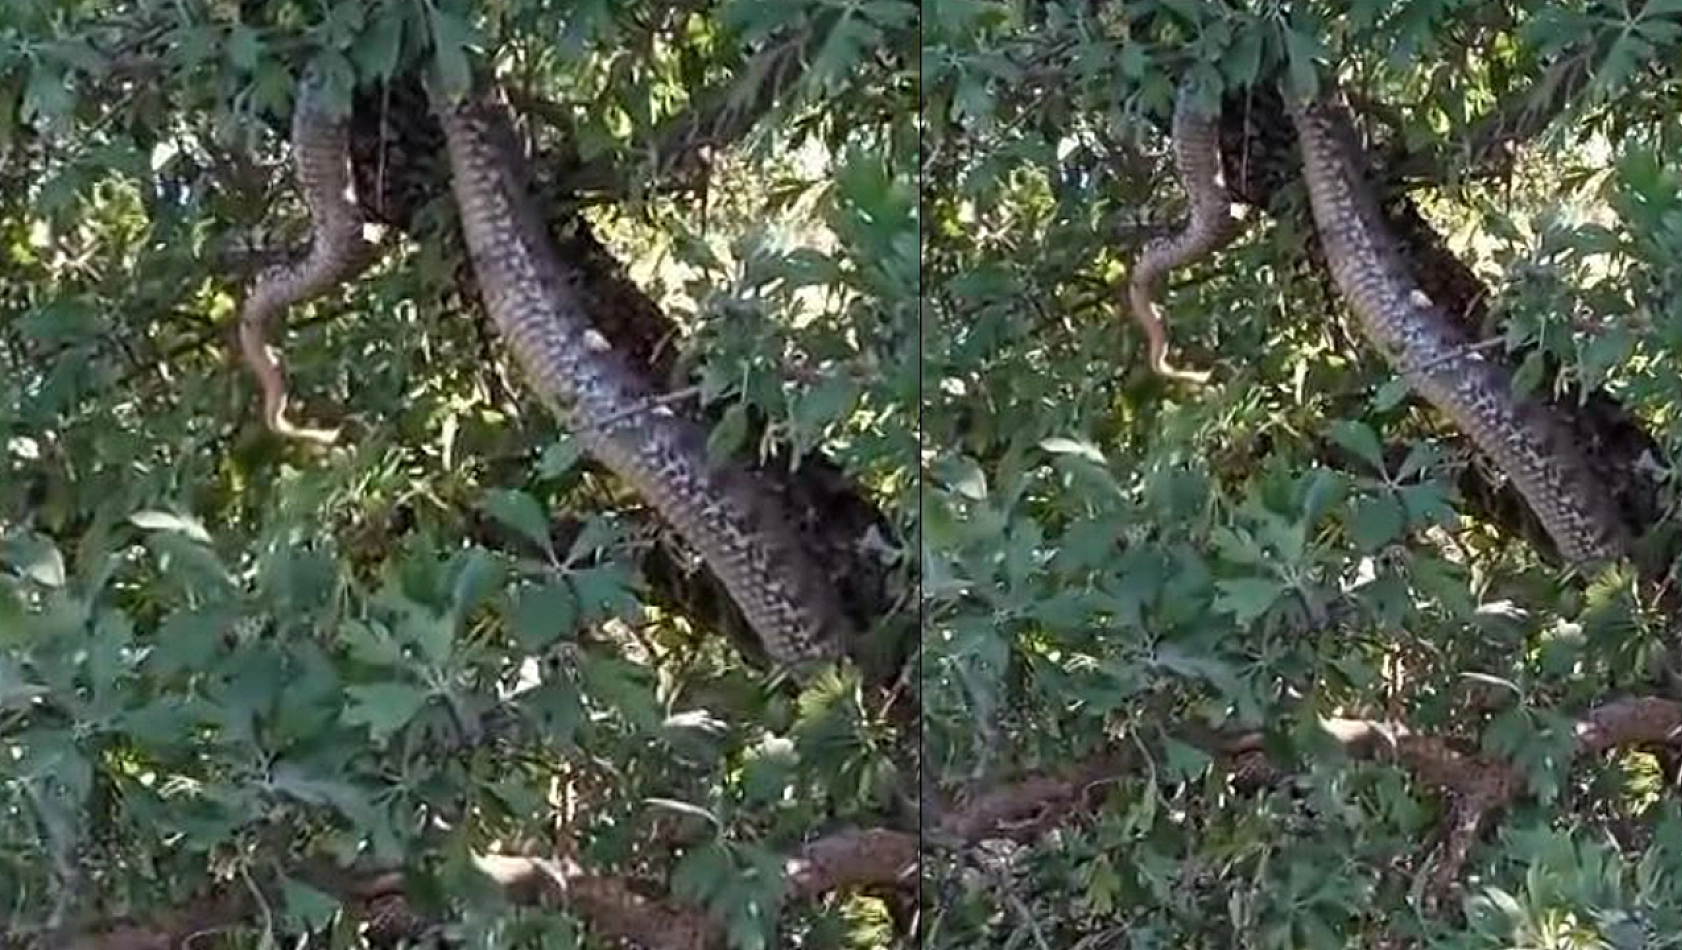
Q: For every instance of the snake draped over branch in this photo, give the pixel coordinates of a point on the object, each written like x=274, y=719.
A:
x=720, y=508
x=1525, y=437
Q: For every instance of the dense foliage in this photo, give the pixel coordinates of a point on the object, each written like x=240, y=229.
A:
x=1123, y=574
x=229, y=662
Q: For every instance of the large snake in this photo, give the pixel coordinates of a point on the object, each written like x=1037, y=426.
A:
x=1210, y=225
x=1523, y=436
x=736, y=524
x=338, y=250
x=719, y=507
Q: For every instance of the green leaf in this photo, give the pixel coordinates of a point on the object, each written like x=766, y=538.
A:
x=480, y=574
x=769, y=771
x=729, y=435
x=605, y=592
x=701, y=872
x=1427, y=503
x=1132, y=61
x=371, y=644
x=1361, y=441
x=195, y=566
x=305, y=907
x=48, y=97
x=624, y=687
x=1376, y=521
x=1242, y=62
x=384, y=707
x=377, y=54
x=189, y=639
x=1326, y=490
x=557, y=709
x=1247, y=598
x=1300, y=52
x=543, y=614
x=1390, y=395
x=245, y=47
x=824, y=404
x=521, y=512
x=451, y=39
x=560, y=458
x=598, y=535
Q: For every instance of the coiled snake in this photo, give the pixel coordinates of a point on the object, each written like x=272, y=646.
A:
x=720, y=508
x=1523, y=436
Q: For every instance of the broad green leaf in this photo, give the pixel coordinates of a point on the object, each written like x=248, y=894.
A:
x=245, y=47
x=543, y=614
x=380, y=46
x=1247, y=599
x=479, y=574
x=1376, y=521
x=1300, y=52
x=1360, y=440
x=522, y=513
x=383, y=707
x=605, y=592
x=306, y=907
x=560, y=457
x=452, y=39
x=730, y=435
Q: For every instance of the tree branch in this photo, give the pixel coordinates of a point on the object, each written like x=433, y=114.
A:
x=1480, y=786
x=613, y=906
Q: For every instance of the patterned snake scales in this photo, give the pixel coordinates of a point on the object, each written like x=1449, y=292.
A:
x=1524, y=437
x=719, y=508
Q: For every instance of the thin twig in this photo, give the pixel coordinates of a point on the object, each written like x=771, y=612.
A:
x=1460, y=351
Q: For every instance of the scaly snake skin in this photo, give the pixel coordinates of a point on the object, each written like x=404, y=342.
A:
x=720, y=508
x=338, y=252
x=1210, y=226
x=1522, y=436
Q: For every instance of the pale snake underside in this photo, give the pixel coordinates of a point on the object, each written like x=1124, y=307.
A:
x=338, y=251
x=1210, y=225
x=720, y=507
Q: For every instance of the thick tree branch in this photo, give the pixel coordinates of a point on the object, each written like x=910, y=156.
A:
x=613, y=906
x=1479, y=786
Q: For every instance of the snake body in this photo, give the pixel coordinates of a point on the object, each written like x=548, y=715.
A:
x=1524, y=437
x=736, y=524
x=1210, y=225
x=720, y=508
x=337, y=253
